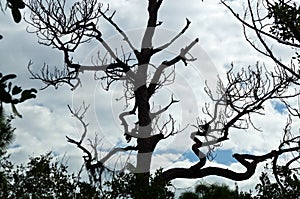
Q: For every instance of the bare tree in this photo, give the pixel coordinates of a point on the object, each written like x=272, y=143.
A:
x=234, y=104
x=277, y=22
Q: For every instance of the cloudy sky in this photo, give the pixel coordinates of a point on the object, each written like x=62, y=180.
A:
x=46, y=120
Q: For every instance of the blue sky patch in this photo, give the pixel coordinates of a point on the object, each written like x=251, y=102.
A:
x=190, y=155
x=224, y=157
x=55, y=153
x=15, y=146
x=221, y=156
x=279, y=106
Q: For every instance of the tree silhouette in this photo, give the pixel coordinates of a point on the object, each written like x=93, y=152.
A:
x=211, y=191
x=43, y=177
x=14, y=6
x=6, y=132
x=234, y=103
x=289, y=186
x=277, y=21
x=13, y=95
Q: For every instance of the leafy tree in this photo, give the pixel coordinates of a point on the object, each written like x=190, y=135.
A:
x=6, y=132
x=287, y=184
x=234, y=104
x=286, y=24
x=189, y=195
x=124, y=186
x=6, y=137
x=211, y=191
x=13, y=94
x=9, y=95
x=43, y=177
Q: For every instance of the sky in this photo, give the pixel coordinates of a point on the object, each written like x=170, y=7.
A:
x=46, y=120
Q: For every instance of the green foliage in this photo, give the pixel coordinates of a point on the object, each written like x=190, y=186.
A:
x=6, y=132
x=5, y=167
x=286, y=25
x=43, y=178
x=290, y=185
x=13, y=94
x=125, y=185
x=159, y=188
x=212, y=191
x=189, y=195
x=6, y=137
x=15, y=6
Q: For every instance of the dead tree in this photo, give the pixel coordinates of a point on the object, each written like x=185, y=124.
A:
x=277, y=22
x=271, y=21
x=233, y=105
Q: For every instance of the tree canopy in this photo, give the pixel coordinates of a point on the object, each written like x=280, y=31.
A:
x=211, y=191
x=43, y=177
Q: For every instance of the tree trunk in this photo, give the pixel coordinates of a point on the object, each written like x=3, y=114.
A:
x=146, y=142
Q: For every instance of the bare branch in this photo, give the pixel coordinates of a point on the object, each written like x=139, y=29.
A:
x=181, y=57
x=125, y=37
x=199, y=172
x=116, y=150
x=54, y=27
x=128, y=134
x=55, y=78
x=80, y=115
x=260, y=30
x=158, y=49
x=164, y=109
x=260, y=33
